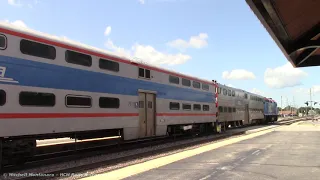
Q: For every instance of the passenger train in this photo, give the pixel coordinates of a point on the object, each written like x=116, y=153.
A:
x=50, y=88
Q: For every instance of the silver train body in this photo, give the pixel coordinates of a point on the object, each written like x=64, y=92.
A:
x=238, y=107
x=50, y=87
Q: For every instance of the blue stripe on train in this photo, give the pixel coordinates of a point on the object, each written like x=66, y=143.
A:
x=36, y=74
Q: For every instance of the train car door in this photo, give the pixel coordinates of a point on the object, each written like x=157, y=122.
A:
x=147, y=102
x=246, y=113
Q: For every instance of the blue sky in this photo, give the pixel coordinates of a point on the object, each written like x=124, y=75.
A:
x=210, y=39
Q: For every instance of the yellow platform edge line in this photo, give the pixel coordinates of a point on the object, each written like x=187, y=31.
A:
x=162, y=161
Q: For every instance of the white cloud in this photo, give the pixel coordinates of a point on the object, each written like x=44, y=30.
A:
x=19, y=23
x=197, y=42
x=141, y=1
x=107, y=31
x=300, y=90
x=283, y=76
x=19, y=4
x=315, y=89
x=238, y=74
x=14, y=3
x=257, y=91
x=148, y=54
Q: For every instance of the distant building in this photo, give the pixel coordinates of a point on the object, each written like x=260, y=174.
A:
x=287, y=113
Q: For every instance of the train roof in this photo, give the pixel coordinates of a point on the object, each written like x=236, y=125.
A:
x=294, y=26
x=240, y=90
x=270, y=100
x=250, y=93
x=31, y=34
x=223, y=85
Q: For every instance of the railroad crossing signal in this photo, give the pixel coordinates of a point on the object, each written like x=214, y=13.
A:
x=307, y=103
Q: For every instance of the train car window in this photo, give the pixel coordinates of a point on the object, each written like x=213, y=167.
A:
x=205, y=107
x=174, y=79
x=37, y=49
x=234, y=109
x=3, y=42
x=148, y=73
x=197, y=107
x=246, y=96
x=78, y=101
x=3, y=97
x=219, y=91
x=225, y=92
x=37, y=99
x=233, y=93
x=109, y=102
x=141, y=104
x=205, y=87
x=229, y=109
x=78, y=58
x=141, y=72
x=186, y=106
x=229, y=92
x=108, y=65
x=225, y=109
x=174, y=105
x=220, y=109
x=186, y=82
x=196, y=84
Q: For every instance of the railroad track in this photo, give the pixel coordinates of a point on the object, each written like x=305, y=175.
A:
x=116, y=147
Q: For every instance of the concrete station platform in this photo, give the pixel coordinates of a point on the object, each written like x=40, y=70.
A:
x=288, y=152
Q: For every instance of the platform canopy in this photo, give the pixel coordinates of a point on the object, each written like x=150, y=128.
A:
x=295, y=27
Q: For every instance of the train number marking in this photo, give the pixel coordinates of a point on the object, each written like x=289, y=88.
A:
x=3, y=78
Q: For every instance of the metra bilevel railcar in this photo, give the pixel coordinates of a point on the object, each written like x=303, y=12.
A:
x=51, y=88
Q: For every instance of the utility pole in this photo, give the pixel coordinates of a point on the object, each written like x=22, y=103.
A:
x=281, y=107
x=293, y=103
x=307, y=102
x=311, y=99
